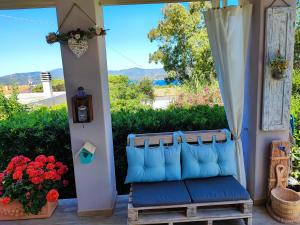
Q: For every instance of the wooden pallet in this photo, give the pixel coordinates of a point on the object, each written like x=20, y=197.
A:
x=200, y=212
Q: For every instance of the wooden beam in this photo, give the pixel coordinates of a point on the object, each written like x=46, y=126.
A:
x=29, y=4
x=133, y=2
x=26, y=4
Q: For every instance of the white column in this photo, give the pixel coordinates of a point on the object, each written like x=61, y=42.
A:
x=256, y=142
x=95, y=183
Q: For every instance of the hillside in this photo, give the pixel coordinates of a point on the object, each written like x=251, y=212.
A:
x=34, y=77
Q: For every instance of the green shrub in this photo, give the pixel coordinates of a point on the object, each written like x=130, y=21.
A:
x=57, y=85
x=296, y=83
x=148, y=121
x=41, y=131
x=295, y=110
x=46, y=131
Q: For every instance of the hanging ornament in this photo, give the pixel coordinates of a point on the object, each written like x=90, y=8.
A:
x=78, y=47
x=77, y=40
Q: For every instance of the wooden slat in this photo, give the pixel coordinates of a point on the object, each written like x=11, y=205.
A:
x=167, y=137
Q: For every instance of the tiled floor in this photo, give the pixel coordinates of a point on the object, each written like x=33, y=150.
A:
x=65, y=214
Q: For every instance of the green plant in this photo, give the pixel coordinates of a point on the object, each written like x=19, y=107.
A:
x=9, y=105
x=295, y=110
x=296, y=83
x=39, y=131
x=128, y=95
x=32, y=183
x=278, y=66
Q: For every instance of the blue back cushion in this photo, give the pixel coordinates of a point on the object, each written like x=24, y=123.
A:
x=226, y=158
x=208, y=160
x=199, y=161
x=153, y=164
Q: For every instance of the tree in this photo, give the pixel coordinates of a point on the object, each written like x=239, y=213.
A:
x=10, y=106
x=129, y=95
x=183, y=46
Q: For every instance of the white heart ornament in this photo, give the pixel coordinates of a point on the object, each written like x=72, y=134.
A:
x=78, y=47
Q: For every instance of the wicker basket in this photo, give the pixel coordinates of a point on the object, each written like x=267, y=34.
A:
x=285, y=202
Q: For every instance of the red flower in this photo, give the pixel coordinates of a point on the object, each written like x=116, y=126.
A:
x=50, y=175
x=62, y=170
x=41, y=158
x=50, y=166
x=18, y=175
x=10, y=167
x=38, y=165
x=59, y=164
x=31, y=172
x=51, y=159
x=36, y=180
x=65, y=183
x=52, y=195
x=5, y=200
x=21, y=168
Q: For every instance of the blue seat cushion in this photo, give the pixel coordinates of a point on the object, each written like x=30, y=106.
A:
x=159, y=194
x=216, y=189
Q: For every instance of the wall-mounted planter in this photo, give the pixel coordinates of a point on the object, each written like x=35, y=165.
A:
x=278, y=75
x=14, y=211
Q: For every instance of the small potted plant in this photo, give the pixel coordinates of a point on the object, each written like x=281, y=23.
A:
x=29, y=189
x=278, y=66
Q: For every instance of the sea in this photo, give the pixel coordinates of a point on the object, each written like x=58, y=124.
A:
x=164, y=83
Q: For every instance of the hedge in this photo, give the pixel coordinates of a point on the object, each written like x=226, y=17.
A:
x=46, y=131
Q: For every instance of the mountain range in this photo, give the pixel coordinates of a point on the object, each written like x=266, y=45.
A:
x=34, y=77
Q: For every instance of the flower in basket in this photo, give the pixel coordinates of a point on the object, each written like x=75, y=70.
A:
x=32, y=182
x=278, y=66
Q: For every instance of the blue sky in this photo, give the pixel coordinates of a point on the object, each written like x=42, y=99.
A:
x=23, y=47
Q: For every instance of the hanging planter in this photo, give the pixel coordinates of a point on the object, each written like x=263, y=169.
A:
x=77, y=40
x=278, y=66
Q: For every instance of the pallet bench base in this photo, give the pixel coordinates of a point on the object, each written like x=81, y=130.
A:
x=208, y=213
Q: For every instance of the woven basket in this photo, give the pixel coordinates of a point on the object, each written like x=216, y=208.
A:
x=285, y=202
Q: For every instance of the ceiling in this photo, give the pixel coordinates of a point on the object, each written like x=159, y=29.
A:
x=24, y=4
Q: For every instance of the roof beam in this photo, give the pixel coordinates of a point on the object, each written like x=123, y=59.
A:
x=134, y=2
x=29, y=4
x=26, y=4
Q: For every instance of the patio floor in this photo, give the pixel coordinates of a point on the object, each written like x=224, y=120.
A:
x=66, y=214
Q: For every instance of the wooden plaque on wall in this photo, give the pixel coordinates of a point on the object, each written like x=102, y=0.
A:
x=279, y=36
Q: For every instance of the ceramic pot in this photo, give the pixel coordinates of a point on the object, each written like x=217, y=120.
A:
x=278, y=75
x=14, y=211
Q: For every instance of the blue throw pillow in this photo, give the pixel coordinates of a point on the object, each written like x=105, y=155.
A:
x=199, y=161
x=226, y=157
x=153, y=164
x=208, y=160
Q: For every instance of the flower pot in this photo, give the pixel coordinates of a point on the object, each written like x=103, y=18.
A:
x=278, y=75
x=14, y=211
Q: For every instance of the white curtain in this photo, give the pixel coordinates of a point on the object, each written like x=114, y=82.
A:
x=228, y=31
